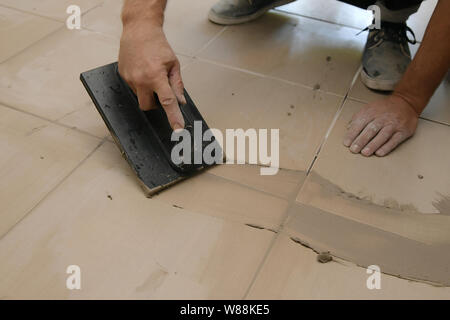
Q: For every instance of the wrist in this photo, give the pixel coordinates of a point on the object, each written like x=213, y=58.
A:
x=137, y=12
x=413, y=103
x=145, y=21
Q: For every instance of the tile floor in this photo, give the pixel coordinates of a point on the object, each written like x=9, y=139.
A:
x=67, y=197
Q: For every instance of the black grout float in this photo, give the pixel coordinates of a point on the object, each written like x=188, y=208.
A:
x=145, y=137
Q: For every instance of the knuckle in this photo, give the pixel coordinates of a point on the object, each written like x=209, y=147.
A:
x=167, y=101
x=373, y=127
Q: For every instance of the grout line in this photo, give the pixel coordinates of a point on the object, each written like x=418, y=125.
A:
x=31, y=13
x=360, y=100
x=261, y=75
x=333, y=122
x=219, y=33
x=93, y=8
x=299, y=189
x=317, y=19
x=323, y=20
x=54, y=188
x=55, y=122
x=267, y=193
x=47, y=17
x=33, y=44
x=435, y=121
x=278, y=231
x=63, y=25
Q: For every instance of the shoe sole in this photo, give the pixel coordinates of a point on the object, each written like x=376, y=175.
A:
x=213, y=17
x=376, y=84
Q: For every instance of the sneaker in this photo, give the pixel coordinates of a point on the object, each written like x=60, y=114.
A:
x=228, y=12
x=386, y=56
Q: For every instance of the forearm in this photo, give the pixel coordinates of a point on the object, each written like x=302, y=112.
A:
x=143, y=11
x=431, y=62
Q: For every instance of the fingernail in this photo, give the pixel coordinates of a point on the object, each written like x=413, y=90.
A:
x=354, y=148
x=379, y=153
x=365, y=151
x=347, y=142
x=177, y=127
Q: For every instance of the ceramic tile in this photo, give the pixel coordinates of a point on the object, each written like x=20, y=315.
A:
x=212, y=195
x=127, y=246
x=437, y=109
x=186, y=24
x=36, y=155
x=44, y=79
x=342, y=13
x=332, y=11
x=293, y=48
x=390, y=205
x=231, y=99
x=394, y=178
x=283, y=184
x=19, y=30
x=292, y=271
x=55, y=9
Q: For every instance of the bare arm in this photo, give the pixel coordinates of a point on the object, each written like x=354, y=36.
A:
x=431, y=62
x=383, y=125
x=146, y=60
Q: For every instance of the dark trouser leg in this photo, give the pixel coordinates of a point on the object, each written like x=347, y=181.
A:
x=390, y=4
x=391, y=10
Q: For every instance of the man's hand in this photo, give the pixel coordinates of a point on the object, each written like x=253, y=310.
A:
x=381, y=126
x=148, y=64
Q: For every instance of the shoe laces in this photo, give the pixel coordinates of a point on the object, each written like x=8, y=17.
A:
x=394, y=32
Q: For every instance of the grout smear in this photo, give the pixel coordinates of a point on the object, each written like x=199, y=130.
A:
x=443, y=204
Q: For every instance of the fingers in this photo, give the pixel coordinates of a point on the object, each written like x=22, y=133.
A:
x=393, y=142
x=145, y=98
x=177, y=83
x=366, y=135
x=169, y=102
x=356, y=126
x=378, y=141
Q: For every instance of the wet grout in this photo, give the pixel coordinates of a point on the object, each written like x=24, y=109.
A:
x=292, y=201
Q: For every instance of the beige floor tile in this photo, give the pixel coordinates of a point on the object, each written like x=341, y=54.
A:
x=44, y=79
x=395, y=208
x=345, y=14
x=55, y=9
x=301, y=50
x=393, y=178
x=437, y=109
x=292, y=271
x=231, y=99
x=330, y=10
x=19, y=30
x=126, y=245
x=36, y=155
x=212, y=195
x=186, y=24
x=283, y=184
